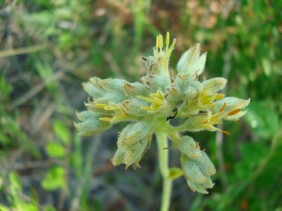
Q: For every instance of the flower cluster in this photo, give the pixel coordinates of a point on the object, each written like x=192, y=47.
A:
x=148, y=106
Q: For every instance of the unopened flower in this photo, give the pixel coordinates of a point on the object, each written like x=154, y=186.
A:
x=191, y=62
x=196, y=165
x=132, y=143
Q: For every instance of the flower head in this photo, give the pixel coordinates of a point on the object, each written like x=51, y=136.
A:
x=148, y=106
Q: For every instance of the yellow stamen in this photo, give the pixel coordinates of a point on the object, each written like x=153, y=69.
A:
x=167, y=39
x=231, y=113
x=207, y=99
x=219, y=96
x=215, y=119
x=120, y=117
x=171, y=47
x=157, y=94
x=222, y=108
x=156, y=99
x=225, y=132
x=161, y=43
x=105, y=119
x=157, y=42
x=112, y=108
x=100, y=105
x=107, y=107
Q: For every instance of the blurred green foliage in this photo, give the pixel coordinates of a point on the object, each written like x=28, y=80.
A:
x=48, y=48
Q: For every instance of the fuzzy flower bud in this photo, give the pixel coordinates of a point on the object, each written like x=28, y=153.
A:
x=90, y=124
x=134, y=89
x=135, y=132
x=214, y=85
x=196, y=165
x=191, y=62
x=132, y=143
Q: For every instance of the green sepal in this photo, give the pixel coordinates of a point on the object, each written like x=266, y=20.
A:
x=90, y=123
x=175, y=173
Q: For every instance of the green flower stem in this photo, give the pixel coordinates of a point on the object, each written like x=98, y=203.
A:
x=164, y=168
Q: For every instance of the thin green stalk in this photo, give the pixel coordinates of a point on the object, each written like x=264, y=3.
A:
x=164, y=168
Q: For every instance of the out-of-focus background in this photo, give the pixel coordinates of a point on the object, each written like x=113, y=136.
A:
x=48, y=48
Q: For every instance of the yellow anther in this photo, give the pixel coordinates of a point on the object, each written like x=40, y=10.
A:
x=219, y=96
x=120, y=117
x=207, y=99
x=156, y=95
x=156, y=99
x=236, y=111
x=107, y=107
x=105, y=119
x=112, y=108
x=173, y=43
x=167, y=39
x=157, y=42
x=100, y=105
x=168, y=52
x=161, y=43
x=225, y=132
x=222, y=108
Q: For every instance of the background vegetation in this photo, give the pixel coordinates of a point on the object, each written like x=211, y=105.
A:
x=48, y=48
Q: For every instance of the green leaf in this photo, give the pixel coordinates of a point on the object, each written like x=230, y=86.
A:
x=46, y=72
x=251, y=154
x=34, y=196
x=263, y=121
x=54, y=179
x=29, y=207
x=5, y=88
x=3, y=208
x=272, y=170
x=15, y=180
x=55, y=150
x=175, y=173
x=49, y=208
x=62, y=132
